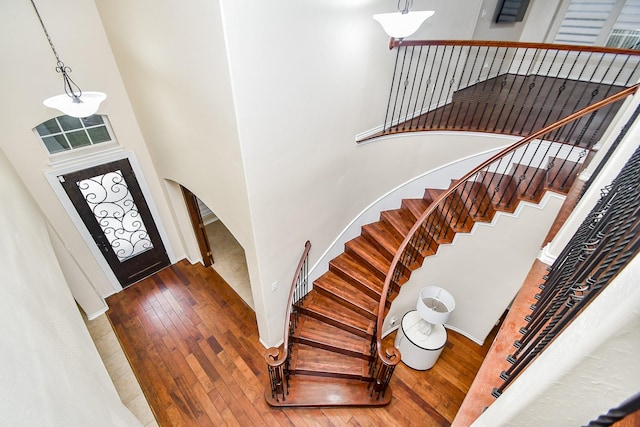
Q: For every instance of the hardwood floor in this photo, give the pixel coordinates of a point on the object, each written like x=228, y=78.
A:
x=534, y=102
x=194, y=347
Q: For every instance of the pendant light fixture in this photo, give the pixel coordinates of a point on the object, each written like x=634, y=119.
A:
x=402, y=23
x=74, y=102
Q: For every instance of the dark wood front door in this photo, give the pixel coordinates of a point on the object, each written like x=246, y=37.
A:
x=110, y=202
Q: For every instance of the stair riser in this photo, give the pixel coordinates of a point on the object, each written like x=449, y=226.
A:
x=562, y=175
x=530, y=188
x=334, y=349
x=346, y=303
x=383, y=249
x=426, y=248
x=331, y=375
x=457, y=215
x=355, y=281
x=443, y=233
x=416, y=208
x=359, y=332
x=377, y=271
x=396, y=222
x=477, y=201
x=502, y=189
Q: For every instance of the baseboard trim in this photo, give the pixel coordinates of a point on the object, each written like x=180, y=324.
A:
x=546, y=256
x=465, y=334
x=98, y=313
x=460, y=331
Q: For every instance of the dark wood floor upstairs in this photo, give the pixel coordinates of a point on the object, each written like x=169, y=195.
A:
x=194, y=347
x=519, y=105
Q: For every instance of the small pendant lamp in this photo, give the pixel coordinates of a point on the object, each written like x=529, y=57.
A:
x=73, y=102
x=402, y=23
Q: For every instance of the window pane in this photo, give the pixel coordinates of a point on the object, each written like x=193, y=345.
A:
x=69, y=123
x=78, y=139
x=48, y=127
x=92, y=120
x=55, y=144
x=99, y=134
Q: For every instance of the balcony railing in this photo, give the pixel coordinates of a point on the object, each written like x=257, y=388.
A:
x=502, y=87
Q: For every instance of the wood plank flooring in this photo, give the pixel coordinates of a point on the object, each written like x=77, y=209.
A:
x=533, y=102
x=194, y=347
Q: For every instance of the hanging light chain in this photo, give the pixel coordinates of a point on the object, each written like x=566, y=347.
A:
x=404, y=10
x=70, y=87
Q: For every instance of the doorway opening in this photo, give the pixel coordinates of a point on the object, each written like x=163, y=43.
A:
x=227, y=254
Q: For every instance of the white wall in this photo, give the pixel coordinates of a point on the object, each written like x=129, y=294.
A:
x=540, y=18
x=29, y=77
x=51, y=372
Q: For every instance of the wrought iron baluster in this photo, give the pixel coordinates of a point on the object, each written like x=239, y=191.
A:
x=494, y=94
x=401, y=79
x=604, y=243
x=449, y=88
x=435, y=86
x=405, y=85
x=387, y=119
x=529, y=89
x=463, y=94
x=417, y=113
x=429, y=84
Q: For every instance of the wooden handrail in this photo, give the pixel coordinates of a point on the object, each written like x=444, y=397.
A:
x=390, y=356
x=393, y=43
x=273, y=356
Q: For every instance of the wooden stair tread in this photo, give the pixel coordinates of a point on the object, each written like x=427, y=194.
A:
x=453, y=213
x=357, y=274
x=476, y=197
x=360, y=248
x=334, y=286
x=416, y=206
x=308, y=360
x=400, y=219
x=307, y=391
x=316, y=333
x=330, y=311
x=502, y=189
x=562, y=175
x=386, y=239
x=532, y=187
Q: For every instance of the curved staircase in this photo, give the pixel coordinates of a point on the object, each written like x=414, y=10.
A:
x=333, y=354
x=333, y=340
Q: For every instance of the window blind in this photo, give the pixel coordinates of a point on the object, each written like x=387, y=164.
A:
x=583, y=21
x=626, y=30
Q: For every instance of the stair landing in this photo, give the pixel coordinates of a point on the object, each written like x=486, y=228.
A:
x=306, y=391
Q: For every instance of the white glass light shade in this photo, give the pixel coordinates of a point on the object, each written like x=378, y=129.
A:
x=400, y=25
x=85, y=106
x=435, y=305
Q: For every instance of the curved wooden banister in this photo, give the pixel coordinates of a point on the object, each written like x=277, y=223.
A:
x=391, y=356
x=275, y=357
x=511, y=44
